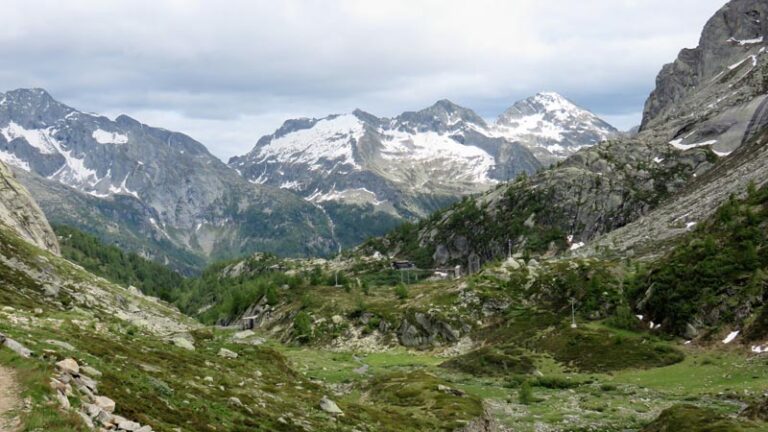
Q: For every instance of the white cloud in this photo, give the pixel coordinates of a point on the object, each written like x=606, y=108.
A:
x=226, y=71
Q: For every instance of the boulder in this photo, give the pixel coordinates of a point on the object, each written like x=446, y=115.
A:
x=330, y=406
x=235, y=401
x=105, y=404
x=183, y=343
x=60, y=344
x=223, y=352
x=68, y=366
x=337, y=319
x=63, y=400
x=16, y=347
x=127, y=425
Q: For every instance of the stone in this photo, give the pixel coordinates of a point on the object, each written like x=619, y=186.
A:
x=330, y=406
x=68, y=366
x=690, y=331
x=87, y=382
x=145, y=428
x=91, y=409
x=17, y=347
x=243, y=334
x=91, y=372
x=127, y=425
x=87, y=420
x=337, y=319
x=60, y=344
x=63, y=400
x=235, y=401
x=105, y=404
x=183, y=343
x=223, y=352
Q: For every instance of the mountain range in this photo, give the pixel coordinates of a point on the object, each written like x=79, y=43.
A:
x=311, y=188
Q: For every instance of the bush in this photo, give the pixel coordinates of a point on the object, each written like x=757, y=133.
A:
x=302, y=327
x=401, y=291
x=525, y=393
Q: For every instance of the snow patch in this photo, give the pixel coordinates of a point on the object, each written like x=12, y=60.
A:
x=743, y=42
x=12, y=159
x=41, y=139
x=104, y=137
x=577, y=246
x=731, y=336
x=466, y=163
x=678, y=144
x=331, y=138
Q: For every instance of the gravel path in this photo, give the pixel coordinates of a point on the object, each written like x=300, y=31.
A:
x=9, y=401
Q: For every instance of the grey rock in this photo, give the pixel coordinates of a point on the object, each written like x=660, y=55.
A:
x=20, y=212
x=223, y=352
x=16, y=347
x=330, y=406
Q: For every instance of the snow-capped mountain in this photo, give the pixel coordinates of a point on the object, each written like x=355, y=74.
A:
x=551, y=126
x=398, y=165
x=134, y=183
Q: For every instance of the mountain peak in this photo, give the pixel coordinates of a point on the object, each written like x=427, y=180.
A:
x=552, y=126
x=441, y=116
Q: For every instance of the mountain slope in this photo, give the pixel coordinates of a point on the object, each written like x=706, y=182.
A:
x=400, y=166
x=177, y=192
x=687, y=131
x=551, y=126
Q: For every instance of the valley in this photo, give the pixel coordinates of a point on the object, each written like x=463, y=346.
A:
x=428, y=271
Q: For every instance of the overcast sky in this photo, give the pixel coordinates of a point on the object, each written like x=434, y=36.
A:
x=228, y=72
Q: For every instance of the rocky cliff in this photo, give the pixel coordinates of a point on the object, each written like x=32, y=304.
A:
x=20, y=212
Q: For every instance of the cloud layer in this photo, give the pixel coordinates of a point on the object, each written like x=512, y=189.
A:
x=229, y=71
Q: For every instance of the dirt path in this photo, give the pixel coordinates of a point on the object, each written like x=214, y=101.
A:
x=9, y=401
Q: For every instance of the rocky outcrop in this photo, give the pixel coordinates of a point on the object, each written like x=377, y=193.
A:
x=422, y=330
x=96, y=411
x=20, y=212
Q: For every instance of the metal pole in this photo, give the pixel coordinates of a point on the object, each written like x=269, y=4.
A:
x=573, y=313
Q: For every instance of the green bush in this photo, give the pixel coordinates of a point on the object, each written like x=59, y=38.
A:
x=401, y=291
x=525, y=393
x=302, y=327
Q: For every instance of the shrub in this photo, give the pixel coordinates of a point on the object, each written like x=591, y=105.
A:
x=302, y=327
x=525, y=393
x=401, y=291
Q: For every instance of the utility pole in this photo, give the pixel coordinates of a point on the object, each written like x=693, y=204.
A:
x=509, y=248
x=573, y=313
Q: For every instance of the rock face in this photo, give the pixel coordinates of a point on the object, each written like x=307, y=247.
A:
x=20, y=212
x=552, y=127
x=424, y=331
x=702, y=138
x=140, y=182
x=732, y=36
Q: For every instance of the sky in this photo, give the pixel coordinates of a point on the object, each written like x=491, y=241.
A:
x=227, y=72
